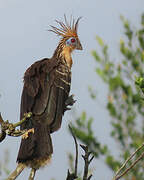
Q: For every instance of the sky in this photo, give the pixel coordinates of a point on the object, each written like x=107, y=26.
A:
x=24, y=39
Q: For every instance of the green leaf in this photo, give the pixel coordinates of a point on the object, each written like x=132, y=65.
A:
x=104, y=150
x=96, y=56
x=101, y=73
x=142, y=19
x=100, y=41
x=115, y=83
x=111, y=109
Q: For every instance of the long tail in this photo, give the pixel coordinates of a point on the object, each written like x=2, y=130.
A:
x=37, y=146
x=20, y=167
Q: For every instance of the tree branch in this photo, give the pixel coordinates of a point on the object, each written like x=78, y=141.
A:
x=87, y=162
x=2, y=134
x=72, y=176
x=9, y=128
x=32, y=174
x=132, y=165
x=20, y=167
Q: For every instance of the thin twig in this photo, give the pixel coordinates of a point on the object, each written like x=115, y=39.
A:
x=26, y=116
x=85, y=157
x=89, y=177
x=9, y=128
x=2, y=134
x=87, y=162
x=128, y=169
x=72, y=176
x=20, y=167
x=1, y=119
x=125, y=163
x=76, y=146
x=32, y=174
x=129, y=159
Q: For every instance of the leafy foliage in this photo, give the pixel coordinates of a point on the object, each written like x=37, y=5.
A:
x=83, y=131
x=125, y=82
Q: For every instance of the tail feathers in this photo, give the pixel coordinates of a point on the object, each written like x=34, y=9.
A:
x=37, y=146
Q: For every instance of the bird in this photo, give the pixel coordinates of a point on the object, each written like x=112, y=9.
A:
x=45, y=94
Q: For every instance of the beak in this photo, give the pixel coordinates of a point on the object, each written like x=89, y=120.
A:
x=79, y=46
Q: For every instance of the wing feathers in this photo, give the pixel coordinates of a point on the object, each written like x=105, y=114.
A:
x=59, y=111
x=46, y=88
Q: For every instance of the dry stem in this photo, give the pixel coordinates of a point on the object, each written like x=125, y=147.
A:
x=72, y=176
x=32, y=174
x=87, y=162
x=20, y=167
x=132, y=165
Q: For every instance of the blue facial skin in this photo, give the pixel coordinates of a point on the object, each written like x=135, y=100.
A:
x=69, y=42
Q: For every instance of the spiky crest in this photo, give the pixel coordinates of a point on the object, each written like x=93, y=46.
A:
x=66, y=29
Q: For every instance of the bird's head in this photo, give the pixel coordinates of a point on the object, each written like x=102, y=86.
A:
x=68, y=32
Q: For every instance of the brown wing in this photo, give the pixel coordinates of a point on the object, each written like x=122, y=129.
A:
x=62, y=84
x=46, y=88
x=36, y=88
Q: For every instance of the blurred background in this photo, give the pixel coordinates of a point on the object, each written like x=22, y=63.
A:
x=24, y=39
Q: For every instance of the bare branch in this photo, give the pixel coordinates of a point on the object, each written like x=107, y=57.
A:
x=9, y=128
x=1, y=119
x=26, y=116
x=76, y=146
x=32, y=174
x=132, y=165
x=87, y=162
x=72, y=176
x=20, y=167
x=2, y=134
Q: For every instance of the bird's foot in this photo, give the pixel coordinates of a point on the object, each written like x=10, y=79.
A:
x=9, y=129
x=26, y=134
x=69, y=102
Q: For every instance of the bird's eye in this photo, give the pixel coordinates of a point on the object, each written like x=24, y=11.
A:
x=73, y=40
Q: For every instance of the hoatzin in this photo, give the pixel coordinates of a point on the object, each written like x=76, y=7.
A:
x=45, y=94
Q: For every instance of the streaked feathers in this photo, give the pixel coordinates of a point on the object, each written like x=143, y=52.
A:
x=66, y=29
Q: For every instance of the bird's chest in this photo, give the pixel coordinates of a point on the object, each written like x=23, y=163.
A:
x=63, y=78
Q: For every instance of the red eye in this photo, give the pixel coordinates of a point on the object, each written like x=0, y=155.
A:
x=73, y=40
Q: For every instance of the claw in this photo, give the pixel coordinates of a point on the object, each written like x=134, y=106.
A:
x=17, y=133
x=69, y=102
x=26, y=134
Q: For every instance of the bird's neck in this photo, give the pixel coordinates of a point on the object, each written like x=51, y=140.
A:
x=63, y=53
x=66, y=53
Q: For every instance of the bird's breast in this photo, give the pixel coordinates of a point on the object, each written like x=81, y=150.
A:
x=63, y=78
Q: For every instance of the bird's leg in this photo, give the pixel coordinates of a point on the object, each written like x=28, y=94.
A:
x=20, y=167
x=16, y=133
x=10, y=130
x=69, y=102
x=32, y=174
x=26, y=134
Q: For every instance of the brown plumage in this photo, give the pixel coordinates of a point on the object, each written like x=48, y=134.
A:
x=45, y=92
